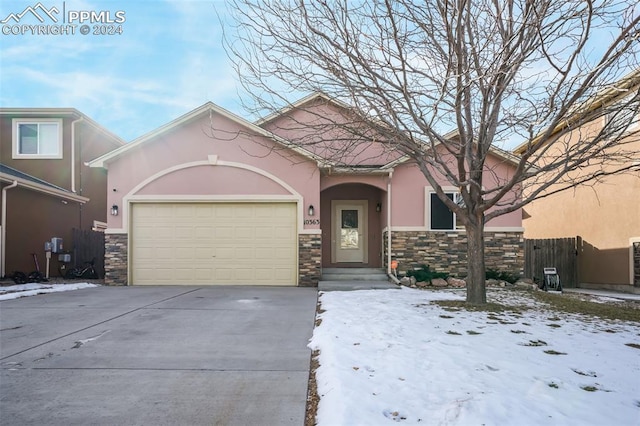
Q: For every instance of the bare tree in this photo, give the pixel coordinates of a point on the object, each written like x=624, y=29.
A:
x=489, y=72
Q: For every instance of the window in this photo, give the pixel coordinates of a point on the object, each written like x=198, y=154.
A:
x=40, y=138
x=439, y=216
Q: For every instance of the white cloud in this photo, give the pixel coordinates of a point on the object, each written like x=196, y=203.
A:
x=168, y=61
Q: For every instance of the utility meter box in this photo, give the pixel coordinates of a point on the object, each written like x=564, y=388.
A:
x=64, y=258
x=56, y=245
x=48, y=246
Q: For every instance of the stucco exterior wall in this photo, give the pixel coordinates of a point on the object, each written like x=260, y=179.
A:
x=322, y=128
x=408, y=198
x=606, y=214
x=165, y=164
x=34, y=217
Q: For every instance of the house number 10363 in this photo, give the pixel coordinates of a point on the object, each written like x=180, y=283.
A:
x=312, y=221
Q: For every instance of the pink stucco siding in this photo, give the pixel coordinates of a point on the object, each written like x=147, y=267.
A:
x=408, y=197
x=318, y=126
x=218, y=179
x=195, y=141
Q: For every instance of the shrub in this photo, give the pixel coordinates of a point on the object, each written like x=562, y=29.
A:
x=501, y=275
x=424, y=273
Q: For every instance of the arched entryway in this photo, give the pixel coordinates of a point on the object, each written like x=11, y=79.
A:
x=353, y=217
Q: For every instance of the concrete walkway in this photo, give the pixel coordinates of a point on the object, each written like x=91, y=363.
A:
x=606, y=293
x=157, y=356
x=355, y=285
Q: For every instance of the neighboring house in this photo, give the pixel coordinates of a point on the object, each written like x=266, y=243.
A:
x=605, y=214
x=47, y=189
x=211, y=198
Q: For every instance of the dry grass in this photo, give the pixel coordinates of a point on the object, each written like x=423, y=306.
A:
x=312, y=392
x=579, y=304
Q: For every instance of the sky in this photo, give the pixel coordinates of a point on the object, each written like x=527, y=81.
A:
x=168, y=60
x=395, y=356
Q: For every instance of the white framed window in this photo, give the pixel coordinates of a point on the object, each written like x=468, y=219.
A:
x=438, y=216
x=37, y=138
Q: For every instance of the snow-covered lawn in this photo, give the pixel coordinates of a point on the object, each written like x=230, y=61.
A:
x=24, y=290
x=395, y=355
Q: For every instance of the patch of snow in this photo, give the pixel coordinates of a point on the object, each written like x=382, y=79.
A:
x=394, y=356
x=24, y=290
x=605, y=299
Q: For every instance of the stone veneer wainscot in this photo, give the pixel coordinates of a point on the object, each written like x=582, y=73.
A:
x=447, y=251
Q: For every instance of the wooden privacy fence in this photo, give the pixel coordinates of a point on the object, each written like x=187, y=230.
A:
x=88, y=245
x=559, y=253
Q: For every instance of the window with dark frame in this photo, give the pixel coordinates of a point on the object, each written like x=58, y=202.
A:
x=443, y=219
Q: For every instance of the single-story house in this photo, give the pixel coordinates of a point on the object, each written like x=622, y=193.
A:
x=211, y=198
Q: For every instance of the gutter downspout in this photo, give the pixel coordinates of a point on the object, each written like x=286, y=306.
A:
x=73, y=153
x=393, y=278
x=3, y=250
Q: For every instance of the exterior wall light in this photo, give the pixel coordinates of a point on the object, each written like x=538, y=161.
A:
x=114, y=210
x=378, y=207
x=312, y=210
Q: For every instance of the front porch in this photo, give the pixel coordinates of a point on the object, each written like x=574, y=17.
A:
x=347, y=279
x=352, y=217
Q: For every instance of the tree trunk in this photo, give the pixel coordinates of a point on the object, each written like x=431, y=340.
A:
x=476, y=293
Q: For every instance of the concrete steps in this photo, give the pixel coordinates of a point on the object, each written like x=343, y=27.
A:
x=353, y=274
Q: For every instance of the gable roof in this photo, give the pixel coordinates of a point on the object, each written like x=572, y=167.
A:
x=498, y=152
x=206, y=108
x=300, y=102
x=61, y=112
x=607, y=96
x=9, y=174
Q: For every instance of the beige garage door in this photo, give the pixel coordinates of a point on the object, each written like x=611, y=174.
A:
x=214, y=243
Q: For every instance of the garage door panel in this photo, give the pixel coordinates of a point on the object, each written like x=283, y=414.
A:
x=181, y=253
x=204, y=253
x=203, y=274
x=224, y=232
x=244, y=232
x=204, y=232
x=283, y=253
x=281, y=273
x=265, y=232
x=209, y=243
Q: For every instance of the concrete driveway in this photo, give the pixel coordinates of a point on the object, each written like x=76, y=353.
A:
x=157, y=356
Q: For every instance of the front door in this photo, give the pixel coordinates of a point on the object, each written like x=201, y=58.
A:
x=349, y=226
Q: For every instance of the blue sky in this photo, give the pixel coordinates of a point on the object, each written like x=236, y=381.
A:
x=168, y=60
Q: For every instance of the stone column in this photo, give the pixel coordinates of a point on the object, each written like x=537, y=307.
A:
x=115, y=259
x=309, y=259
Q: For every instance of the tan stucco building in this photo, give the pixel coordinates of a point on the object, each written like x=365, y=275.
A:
x=605, y=214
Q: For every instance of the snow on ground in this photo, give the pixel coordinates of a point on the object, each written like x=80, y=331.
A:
x=394, y=355
x=24, y=290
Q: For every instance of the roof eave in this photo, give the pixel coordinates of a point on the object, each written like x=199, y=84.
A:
x=103, y=160
x=607, y=96
x=72, y=112
x=69, y=196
